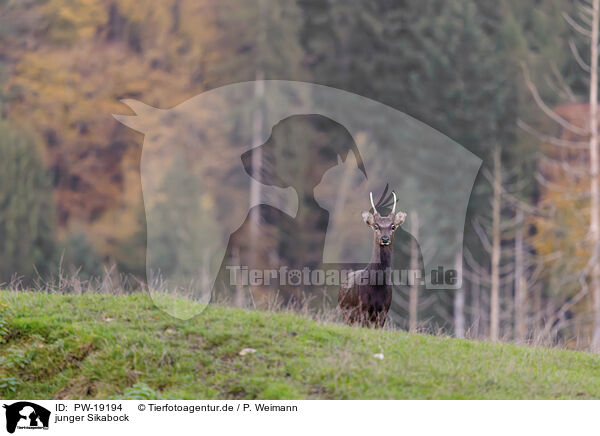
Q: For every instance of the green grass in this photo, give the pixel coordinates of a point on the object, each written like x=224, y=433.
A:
x=102, y=346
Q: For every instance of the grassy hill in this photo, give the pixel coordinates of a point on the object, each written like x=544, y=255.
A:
x=103, y=346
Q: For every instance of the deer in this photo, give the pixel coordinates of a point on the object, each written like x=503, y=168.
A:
x=366, y=297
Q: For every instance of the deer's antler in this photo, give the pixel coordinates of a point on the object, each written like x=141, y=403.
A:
x=372, y=204
x=385, y=200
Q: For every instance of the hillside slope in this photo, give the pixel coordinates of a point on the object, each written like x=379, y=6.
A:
x=102, y=346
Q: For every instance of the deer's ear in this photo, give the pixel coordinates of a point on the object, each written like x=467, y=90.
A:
x=399, y=218
x=368, y=218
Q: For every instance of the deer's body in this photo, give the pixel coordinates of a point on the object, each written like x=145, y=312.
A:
x=366, y=298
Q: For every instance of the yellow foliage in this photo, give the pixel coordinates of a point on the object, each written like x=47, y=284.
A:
x=71, y=20
x=81, y=57
x=562, y=233
x=67, y=87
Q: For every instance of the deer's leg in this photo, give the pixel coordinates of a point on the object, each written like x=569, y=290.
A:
x=377, y=319
x=362, y=317
x=349, y=315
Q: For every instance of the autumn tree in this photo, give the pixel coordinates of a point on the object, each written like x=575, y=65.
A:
x=27, y=233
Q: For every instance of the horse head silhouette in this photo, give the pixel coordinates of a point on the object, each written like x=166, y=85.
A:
x=197, y=174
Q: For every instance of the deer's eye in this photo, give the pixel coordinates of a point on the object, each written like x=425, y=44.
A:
x=376, y=227
x=393, y=227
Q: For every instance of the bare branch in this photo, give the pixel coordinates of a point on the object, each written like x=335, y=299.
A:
x=482, y=236
x=532, y=210
x=473, y=264
x=469, y=275
x=534, y=275
x=556, y=88
x=584, y=8
x=549, y=112
x=564, y=166
x=579, y=28
x=547, y=183
x=561, y=80
x=584, y=66
x=547, y=139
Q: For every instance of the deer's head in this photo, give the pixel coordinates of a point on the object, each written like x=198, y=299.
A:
x=383, y=226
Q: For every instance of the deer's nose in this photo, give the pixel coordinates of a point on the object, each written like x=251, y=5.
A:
x=385, y=239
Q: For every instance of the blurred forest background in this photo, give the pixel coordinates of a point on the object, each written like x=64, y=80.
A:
x=511, y=81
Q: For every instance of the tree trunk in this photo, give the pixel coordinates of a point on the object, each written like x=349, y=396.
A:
x=595, y=217
x=255, y=185
x=238, y=297
x=476, y=304
x=520, y=282
x=495, y=288
x=413, y=302
x=459, y=301
x=538, y=318
x=459, y=313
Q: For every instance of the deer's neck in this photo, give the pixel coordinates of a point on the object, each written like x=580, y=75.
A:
x=381, y=257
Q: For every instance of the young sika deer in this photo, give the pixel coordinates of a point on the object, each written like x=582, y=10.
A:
x=366, y=298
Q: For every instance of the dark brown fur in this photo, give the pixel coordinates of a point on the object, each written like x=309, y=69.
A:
x=366, y=298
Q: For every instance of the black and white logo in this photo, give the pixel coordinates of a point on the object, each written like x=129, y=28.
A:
x=26, y=415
